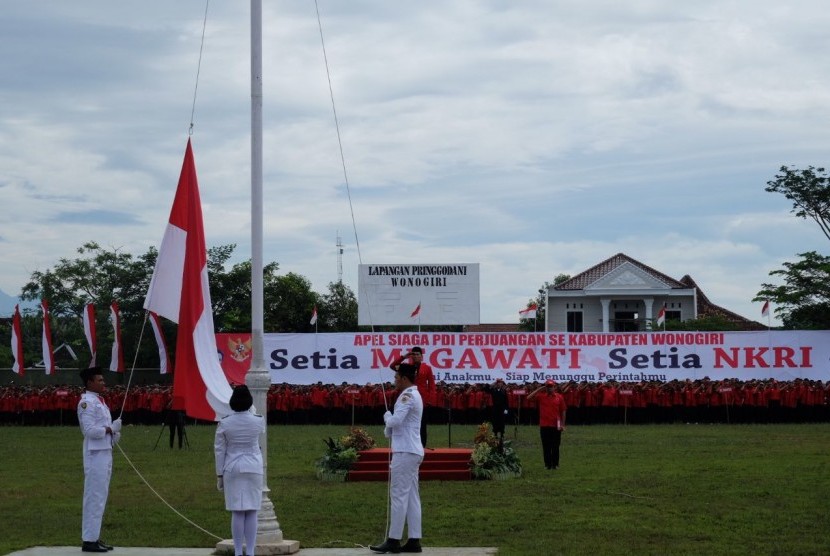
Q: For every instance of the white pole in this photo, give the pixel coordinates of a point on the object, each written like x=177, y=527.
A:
x=269, y=534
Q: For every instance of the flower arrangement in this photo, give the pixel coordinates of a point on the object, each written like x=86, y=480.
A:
x=493, y=458
x=340, y=454
x=358, y=439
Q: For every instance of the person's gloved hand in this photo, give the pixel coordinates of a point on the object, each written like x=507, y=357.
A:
x=220, y=484
x=116, y=426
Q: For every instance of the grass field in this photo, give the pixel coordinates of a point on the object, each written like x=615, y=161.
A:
x=670, y=489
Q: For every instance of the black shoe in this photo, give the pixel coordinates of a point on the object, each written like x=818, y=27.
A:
x=412, y=545
x=105, y=545
x=92, y=546
x=391, y=545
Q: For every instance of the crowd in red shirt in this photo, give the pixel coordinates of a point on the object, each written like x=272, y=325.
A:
x=690, y=401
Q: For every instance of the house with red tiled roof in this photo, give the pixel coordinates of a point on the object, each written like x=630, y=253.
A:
x=621, y=294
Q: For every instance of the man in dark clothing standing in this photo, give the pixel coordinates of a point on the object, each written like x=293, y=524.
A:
x=498, y=396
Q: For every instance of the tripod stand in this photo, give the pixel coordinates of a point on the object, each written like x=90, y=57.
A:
x=174, y=418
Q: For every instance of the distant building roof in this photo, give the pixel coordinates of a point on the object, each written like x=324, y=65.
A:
x=706, y=308
x=492, y=327
x=588, y=277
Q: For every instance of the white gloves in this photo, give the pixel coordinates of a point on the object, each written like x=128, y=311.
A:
x=116, y=426
x=220, y=484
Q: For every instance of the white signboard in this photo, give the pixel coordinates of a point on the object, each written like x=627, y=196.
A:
x=416, y=294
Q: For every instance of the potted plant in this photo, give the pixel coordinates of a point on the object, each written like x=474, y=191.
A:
x=493, y=458
x=340, y=454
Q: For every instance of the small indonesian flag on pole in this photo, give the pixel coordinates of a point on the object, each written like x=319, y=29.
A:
x=661, y=316
x=46, y=340
x=313, y=320
x=179, y=291
x=164, y=356
x=17, y=342
x=529, y=313
x=765, y=309
x=89, y=332
x=416, y=312
x=117, y=362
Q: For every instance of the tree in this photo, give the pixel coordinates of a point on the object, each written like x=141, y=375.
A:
x=802, y=301
x=288, y=303
x=809, y=190
x=231, y=295
x=714, y=323
x=531, y=325
x=338, y=309
x=98, y=276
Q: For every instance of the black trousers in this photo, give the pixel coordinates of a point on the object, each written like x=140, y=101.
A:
x=175, y=420
x=551, y=439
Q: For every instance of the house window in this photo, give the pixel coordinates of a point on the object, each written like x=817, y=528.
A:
x=574, y=321
x=673, y=315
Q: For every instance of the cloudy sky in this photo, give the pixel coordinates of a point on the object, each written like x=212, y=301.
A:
x=535, y=137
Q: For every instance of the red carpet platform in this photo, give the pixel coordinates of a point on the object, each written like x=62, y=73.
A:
x=440, y=464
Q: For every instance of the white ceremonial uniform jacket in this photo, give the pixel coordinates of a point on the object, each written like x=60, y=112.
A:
x=403, y=426
x=236, y=446
x=94, y=418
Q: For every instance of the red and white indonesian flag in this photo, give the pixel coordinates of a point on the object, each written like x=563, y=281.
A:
x=17, y=343
x=529, y=313
x=765, y=309
x=416, y=312
x=179, y=291
x=117, y=362
x=314, y=316
x=661, y=316
x=164, y=357
x=46, y=340
x=89, y=331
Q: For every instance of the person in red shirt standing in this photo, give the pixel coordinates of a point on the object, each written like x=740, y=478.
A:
x=424, y=380
x=552, y=409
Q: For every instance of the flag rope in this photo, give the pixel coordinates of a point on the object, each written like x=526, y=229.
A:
x=129, y=461
x=357, y=245
x=160, y=497
x=147, y=315
x=198, y=68
x=135, y=360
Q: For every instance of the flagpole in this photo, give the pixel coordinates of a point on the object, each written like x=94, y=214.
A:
x=269, y=534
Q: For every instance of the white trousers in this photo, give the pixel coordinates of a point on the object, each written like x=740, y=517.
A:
x=97, y=473
x=406, y=499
